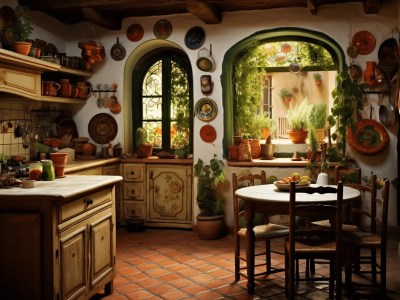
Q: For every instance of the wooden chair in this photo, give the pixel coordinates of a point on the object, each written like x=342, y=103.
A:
x=314, y=243
x=265, y=232
x=369, y=239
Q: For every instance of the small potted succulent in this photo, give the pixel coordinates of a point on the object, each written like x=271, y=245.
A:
x=143, y=148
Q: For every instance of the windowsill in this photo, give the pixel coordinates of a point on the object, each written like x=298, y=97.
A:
x=275, y=162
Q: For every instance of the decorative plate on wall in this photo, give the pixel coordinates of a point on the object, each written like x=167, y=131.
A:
x=208, y=133
x=134, y=32
x=369, y=138
x=162, y=29
x=195, y=37
x=206, y=109
x=102, y=128
x=364, y=41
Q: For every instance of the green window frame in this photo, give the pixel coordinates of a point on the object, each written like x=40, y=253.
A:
x=163, y=79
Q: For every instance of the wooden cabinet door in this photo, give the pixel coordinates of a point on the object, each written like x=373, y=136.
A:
x=101, y=249
x=20, y=257
x=169, y=194
x=73, y=262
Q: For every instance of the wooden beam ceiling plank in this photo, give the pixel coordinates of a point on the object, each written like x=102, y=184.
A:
x=204, y=11
x=101, y=19
x=312, y=7
x=372, y=6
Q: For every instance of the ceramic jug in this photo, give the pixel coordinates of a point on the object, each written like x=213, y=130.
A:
x=65, y=88
x=50, y=88
x=83, y=90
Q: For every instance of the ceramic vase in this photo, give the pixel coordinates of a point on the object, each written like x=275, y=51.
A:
x=369, y=73
x=244, y=150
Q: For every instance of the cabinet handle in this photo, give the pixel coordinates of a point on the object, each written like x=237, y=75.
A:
x=88, y=201
x=133, y=192
x=132, y=173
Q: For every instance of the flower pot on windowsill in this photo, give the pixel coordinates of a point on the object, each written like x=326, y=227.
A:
x=233, y=152
x=144, y=150
x=298, y=136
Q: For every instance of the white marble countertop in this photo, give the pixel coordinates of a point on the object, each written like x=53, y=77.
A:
x=69, y=186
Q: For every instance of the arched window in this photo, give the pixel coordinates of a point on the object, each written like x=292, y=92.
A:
x=162, y=95
x=264, y=37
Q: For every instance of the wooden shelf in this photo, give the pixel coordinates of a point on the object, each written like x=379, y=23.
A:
x=22, y=77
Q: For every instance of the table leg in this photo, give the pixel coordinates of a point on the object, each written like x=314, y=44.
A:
x=250, y=248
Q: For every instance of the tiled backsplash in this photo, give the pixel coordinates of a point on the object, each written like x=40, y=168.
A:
x=13, y=114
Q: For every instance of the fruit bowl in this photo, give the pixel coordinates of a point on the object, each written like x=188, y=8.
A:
x=286, y=186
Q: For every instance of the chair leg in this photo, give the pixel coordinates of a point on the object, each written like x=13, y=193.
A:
x=331, y=278
x=268, y=255
x=237, y=260
x=373, y=265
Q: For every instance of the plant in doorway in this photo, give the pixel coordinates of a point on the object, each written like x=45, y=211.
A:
x=210, y=221
x=297, y=117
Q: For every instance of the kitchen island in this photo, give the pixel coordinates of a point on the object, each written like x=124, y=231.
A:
x=58, y=239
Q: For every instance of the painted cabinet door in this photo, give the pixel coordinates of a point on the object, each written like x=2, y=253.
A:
x=169, y=201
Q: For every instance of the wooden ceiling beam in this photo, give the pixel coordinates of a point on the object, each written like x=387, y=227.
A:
x=204, y=11
x=312, y=7
x=101, y=19
x=372, y=6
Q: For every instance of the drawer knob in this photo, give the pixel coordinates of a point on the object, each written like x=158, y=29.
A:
x=132, y=173
x=88, y=201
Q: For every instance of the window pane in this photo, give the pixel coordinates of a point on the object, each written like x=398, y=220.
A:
x=152, y=83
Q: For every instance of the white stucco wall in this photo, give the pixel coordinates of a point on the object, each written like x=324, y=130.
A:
x=338, y=21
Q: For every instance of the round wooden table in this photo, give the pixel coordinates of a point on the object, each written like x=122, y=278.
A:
x=269, y=200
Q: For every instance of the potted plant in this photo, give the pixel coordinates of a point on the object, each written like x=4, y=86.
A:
x=143, y=148
x=286, y=95
x=210, y=221
x=317, y=120
x=317, y=78
x=347, y=100
x=20, y=31
x=260, y=123
x=297, y=117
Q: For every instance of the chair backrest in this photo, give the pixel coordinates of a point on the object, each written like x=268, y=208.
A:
x=346, y=175
x=312, y=210
x=238, y=181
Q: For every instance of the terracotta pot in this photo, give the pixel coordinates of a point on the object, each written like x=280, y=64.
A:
x=144, y=151
x=59, y=158
x=59, y=170
x=298, y=136
x=255, y=148
x=233, y=152
x=265, y=133
x=22, y=47
x=88, y=149
x=211, y=228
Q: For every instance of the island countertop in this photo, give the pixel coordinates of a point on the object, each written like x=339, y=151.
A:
x=67, y=187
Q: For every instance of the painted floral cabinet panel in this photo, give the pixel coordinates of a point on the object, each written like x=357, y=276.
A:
x=169, y=201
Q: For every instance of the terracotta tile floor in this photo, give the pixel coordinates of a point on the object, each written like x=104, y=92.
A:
x=176, y=264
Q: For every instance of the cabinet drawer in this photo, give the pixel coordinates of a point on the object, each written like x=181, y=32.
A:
x=134, y=172
x=76, y=207
x=22, y=83
x=134, y=209
x=134, y=191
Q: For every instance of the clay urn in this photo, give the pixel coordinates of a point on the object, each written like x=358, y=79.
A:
x=88, y=149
